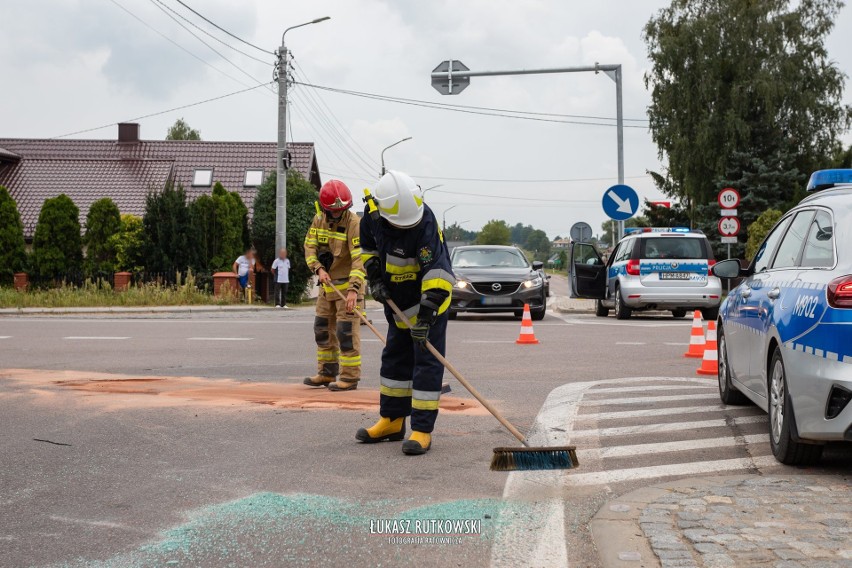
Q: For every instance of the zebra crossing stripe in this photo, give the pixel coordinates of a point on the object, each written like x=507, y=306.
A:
x=667, y=427
x=650, y=388
x=647, y=399
x=649, y=412
x=666, y=447
x=668, y=470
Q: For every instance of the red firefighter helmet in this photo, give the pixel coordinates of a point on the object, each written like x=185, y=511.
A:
x=335, y=196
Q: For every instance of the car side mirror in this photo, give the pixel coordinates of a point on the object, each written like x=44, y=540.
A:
x=727, y=268
x=537, y=265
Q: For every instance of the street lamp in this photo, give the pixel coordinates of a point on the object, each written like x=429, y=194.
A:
x=388, y=148
x=281, y=180
x=445, y=216
x=433, y=187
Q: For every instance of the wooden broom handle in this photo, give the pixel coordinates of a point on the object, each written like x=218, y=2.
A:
x=364, y=319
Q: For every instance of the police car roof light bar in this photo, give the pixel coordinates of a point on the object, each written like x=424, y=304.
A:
x=632, y=230
x=826, y=179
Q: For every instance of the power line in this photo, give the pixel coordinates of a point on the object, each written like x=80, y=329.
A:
x=221, y=29
x=343, y=144
x=526, y=180
x=514, y=198
x=374, y=164
x=153, y=114
x=210, y=35
x=485, y=111
x=159, y=4
x=176, y=44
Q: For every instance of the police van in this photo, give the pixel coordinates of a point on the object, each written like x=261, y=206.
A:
x=650, y=269
x=785, y=333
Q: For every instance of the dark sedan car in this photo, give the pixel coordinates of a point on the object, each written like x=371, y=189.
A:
x=494, y=279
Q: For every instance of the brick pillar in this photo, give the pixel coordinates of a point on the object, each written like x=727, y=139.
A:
x=22, y=281
x=225, y=284
x=121, y=281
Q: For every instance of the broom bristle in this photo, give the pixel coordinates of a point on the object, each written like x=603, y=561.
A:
x=527, y=459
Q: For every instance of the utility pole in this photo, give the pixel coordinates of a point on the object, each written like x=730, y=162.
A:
x=281, y=154
x=451, y=77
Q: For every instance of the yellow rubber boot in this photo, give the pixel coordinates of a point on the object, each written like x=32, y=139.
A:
x=384, y=429
x=419, y=443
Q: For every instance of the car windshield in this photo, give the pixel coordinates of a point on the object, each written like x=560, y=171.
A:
x=672, y=247
x=488, y=258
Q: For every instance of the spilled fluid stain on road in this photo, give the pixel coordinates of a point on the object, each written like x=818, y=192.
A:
x=116, y=392
x=271, y=529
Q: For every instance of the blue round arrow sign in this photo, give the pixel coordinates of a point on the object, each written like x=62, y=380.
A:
x=620, y=202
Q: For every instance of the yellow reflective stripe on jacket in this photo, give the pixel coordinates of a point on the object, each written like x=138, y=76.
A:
x=339, y=286
x=410, y=314
x=311, y=259
x=397, y=265
x=357, y=274
x=438, y=279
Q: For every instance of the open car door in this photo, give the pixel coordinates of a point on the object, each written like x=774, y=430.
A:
x=587, y=272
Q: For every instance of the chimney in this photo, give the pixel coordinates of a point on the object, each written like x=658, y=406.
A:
x=128, y=133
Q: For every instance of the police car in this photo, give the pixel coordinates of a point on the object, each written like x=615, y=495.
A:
x=650, y=269
x=785, y=333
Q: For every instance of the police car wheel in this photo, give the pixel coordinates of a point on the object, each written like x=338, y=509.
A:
x=727, y=393
x=781, y=420
x=600, y=310
x=622, y=312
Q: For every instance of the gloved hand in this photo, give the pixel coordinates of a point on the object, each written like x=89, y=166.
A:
x=420, y=331
x=379, y=291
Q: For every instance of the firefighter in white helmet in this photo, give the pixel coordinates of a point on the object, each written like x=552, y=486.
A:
x=407, y=261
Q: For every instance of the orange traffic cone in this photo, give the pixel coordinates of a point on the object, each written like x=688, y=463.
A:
x=527, y=336
x=710, y=363
x=696, y=337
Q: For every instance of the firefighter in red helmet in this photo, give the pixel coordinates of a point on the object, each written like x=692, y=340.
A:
x=333, y=253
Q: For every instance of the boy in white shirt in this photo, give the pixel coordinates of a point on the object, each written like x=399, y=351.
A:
x=281, y=270
x=242, y=266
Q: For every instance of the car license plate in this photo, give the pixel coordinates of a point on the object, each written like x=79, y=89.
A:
x=496, y=301
x=674, y=275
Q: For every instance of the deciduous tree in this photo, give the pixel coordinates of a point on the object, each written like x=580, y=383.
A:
x=180, y=130
x=494, y=232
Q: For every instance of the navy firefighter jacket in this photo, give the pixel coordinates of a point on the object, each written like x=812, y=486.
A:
x=416, y=261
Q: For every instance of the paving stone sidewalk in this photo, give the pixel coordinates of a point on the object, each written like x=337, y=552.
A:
x=778, y=521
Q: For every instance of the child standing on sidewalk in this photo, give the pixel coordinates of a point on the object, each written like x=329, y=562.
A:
x=281, y=270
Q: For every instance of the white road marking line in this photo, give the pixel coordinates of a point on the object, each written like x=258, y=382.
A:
x=651, y=412
x=650, y=388
x=486, y=341
x=95, y=337
x=648, y=399
x=5, y=337
x=630, y=343
x=664, y=447
x=220, y=338
x=676, y=344
x=668, y=470
x=666, y=427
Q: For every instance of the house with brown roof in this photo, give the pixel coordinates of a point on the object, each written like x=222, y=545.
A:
x=127, y=168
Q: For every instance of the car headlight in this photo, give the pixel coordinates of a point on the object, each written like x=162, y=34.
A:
x=462, y=284
x=533, y=282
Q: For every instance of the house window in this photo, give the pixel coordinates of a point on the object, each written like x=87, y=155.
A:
x=202, y=177
x=254, y=178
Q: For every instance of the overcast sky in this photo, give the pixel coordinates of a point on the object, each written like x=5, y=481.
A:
x=69, y=65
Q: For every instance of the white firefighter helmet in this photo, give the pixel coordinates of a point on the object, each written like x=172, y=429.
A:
x=399, y=199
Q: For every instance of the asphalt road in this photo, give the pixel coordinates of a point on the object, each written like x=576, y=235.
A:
x=207, y=477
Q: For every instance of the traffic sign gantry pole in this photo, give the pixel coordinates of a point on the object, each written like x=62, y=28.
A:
x=451, y=77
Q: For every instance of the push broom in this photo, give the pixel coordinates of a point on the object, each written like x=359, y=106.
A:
x=504, y=459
